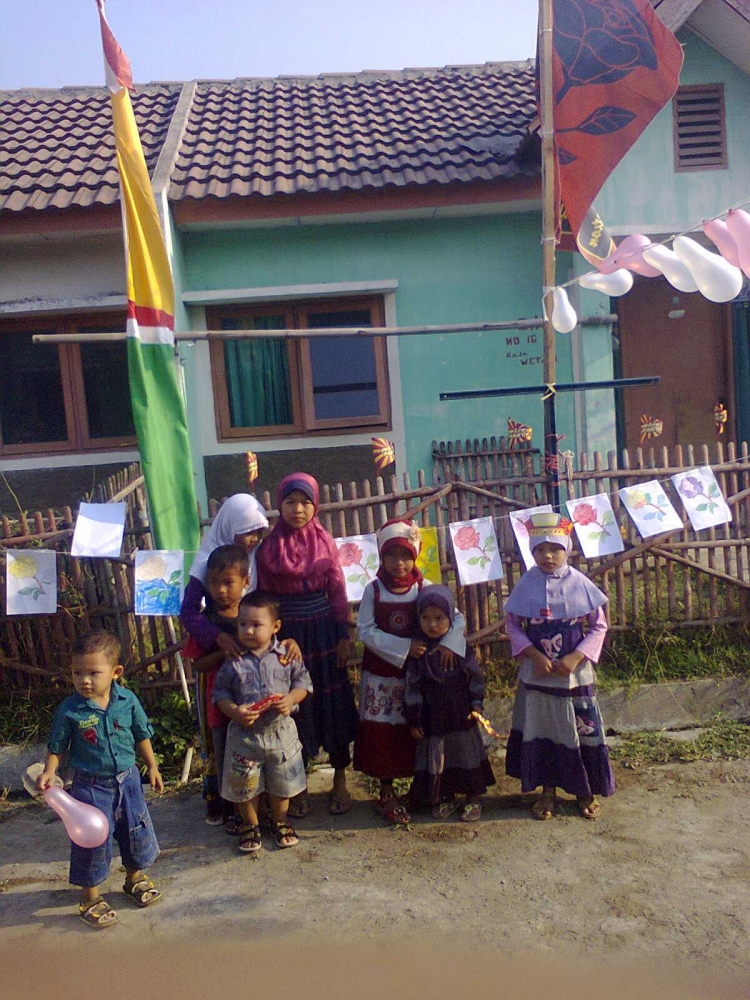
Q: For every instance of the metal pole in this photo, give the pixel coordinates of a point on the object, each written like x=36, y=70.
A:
x=549, y=214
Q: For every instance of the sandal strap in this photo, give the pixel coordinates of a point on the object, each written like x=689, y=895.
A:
x=284, y=829
x=86, y=908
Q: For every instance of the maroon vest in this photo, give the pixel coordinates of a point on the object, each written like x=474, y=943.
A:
x=396, y=619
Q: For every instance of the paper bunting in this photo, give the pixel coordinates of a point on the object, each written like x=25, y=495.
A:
x=251, y=464
x=720, y=418
x=159, y=579
x=475, y=548
x=358, y=558
x=31, y=582
x=428, y=561
x=651, y=427
x=383, y=452
x=99, y=530
x=702, y=498
x=651, y=511
x=518, y=433
x=519, y=520
x=595, y=526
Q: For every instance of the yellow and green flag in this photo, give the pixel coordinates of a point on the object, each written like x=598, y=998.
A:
x=158, y=405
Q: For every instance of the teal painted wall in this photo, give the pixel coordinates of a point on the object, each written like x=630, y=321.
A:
x=450, y=270
x=645, y=189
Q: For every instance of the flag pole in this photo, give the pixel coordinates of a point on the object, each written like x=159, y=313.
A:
x=546, y=132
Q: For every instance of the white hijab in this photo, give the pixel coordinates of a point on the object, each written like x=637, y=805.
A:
x=239, y=515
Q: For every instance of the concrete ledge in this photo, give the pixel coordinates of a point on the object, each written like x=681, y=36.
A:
x=649, y=707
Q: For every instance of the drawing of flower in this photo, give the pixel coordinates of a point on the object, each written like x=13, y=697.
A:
x=639, y=500
x=466, y=538
x=350, y=554
x=636, y=499
x=692, y=487
x=586, y=515
x=153, y=568
x=27, y=568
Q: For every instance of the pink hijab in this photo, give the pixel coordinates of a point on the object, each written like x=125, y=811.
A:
x=296, y=553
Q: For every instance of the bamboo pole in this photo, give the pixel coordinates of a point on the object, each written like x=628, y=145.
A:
x=549, y=213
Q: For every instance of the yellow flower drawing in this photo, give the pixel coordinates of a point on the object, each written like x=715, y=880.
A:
x=636, y=499
x=27, y=568
x=153, y=568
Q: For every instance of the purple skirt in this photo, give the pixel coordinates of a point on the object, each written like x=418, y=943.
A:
x=557, y=740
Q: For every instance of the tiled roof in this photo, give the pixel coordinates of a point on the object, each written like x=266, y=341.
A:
x=339, y=132
x=57, y=148
x=349, y=132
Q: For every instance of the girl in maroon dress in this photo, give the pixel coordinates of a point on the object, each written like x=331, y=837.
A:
x=387, y=625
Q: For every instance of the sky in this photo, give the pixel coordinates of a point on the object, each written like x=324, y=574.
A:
x=56, y=43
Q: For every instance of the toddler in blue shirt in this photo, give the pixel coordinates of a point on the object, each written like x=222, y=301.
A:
x=103, y=725
x=263, y=751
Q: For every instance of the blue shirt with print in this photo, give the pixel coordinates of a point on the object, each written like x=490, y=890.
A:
x=251, y=678
x=101, y=740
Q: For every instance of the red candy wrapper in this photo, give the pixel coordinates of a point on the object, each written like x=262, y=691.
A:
x=265, y=703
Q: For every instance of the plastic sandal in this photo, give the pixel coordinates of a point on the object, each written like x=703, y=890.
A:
x=143, y=891
x=250, y=842
x=393, y=811
x=233, y=825
x=92, y=914
x=444, y=809
x=589, y=808
x=284, y=831
x=471, y=812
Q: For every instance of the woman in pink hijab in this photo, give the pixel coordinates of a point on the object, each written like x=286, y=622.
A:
x=299, y=562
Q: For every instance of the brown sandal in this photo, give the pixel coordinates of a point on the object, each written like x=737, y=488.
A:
x=93, y=914
x=544, y=807
x=588, y=807
x=284, y=831
x=250, y=839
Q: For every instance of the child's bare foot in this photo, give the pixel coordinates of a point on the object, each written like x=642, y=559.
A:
x=97, y=913
x=588, y=807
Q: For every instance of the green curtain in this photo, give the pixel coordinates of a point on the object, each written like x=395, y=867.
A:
x=741, y=332
x=258, y=376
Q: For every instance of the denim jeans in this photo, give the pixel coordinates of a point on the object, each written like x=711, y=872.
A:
x=121, y=800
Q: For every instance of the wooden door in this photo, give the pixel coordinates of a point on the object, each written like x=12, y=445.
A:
x=691, y=350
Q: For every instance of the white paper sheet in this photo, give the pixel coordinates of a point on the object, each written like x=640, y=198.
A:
x=476, y=551
x=596, y=526
x=99, y=530
x=650, y=508
x=702, y=498
x=358, y=556
x=518, y=522
x=159, y=581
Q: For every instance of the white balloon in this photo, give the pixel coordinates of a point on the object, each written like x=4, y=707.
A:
x=714, y=276
x=671, y=267
x=616, y=283
x=563, y=317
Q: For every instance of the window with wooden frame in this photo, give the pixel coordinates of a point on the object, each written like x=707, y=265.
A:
x=700, y=129
x=277, y=387
x=63, y=397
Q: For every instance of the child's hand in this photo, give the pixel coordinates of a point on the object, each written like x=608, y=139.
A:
x=416, y=732
x=285, y=705
x=447, y=658
x=417, y=648
x=244, y=715
x=542, y=665
x=44, y=781
x=567, y=664
x=229, y=645
x=155, y=779
x=292, y=652
x=343, y=653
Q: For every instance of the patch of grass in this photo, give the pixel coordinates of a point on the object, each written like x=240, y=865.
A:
x=26, y=718
x=723, y=741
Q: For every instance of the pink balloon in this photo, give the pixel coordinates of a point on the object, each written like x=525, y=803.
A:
x=628, y=254
x=718, y=232
x=86, y=825
x=738, y=224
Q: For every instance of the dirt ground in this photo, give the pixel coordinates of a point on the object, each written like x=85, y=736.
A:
x=663, y=874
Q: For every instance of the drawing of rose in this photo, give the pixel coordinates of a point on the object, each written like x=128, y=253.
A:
x=584, y=514
x=587, y=515
x=27, y=568
x=600, y=41
x=153, y=568
x=350, y=554
x=466, y=538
